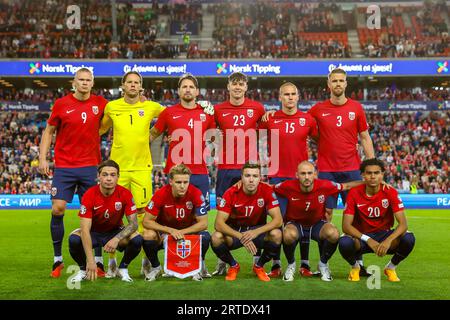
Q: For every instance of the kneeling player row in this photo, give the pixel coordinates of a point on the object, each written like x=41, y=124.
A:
x=179, y=209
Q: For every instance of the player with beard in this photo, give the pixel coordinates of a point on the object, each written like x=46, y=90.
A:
x=186, y=123
x=341, y=121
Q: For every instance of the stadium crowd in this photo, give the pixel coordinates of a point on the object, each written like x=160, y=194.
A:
x=266, y=31
x=242, y=30
x=426, y=37
x=391, y=92
x=413, y=144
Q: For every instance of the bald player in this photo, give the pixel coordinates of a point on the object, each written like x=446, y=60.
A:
x=305, y=216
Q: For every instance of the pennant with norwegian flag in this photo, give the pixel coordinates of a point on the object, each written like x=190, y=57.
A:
x=183, y=258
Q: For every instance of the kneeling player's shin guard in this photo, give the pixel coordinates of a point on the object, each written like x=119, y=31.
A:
x=270, y=250
x=131, y=251
x=77, y=251
x=151, y=250
x=289, y=251
x=206, y=240
x=328, y=249
x=224, y=254
x=347, y=249
x=407, y=242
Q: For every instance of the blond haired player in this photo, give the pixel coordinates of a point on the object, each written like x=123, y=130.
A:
x=130, y=118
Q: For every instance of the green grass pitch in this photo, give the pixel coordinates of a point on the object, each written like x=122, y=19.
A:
x=26, y=257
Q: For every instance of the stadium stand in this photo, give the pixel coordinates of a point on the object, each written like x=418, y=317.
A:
x=270, y=30
x=407, y=31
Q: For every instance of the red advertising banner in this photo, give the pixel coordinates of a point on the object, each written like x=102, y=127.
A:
x=183, y=258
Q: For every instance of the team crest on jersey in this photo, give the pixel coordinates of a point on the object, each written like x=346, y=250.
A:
x=302, y=121
x=250, y=113
x=95, y=109
x=150, y=205
x=183, y=248
x=385, y=203
x=54, y=191
x=351, y=115
x=82, y=209
x=141, y=113
x=118, y=205
x=189, y=205
x=222, y=203
x=203, y=117
x=321, y=198
x=260, y=202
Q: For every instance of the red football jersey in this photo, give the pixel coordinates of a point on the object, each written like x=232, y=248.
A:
x=245, y=210
x=306, y=208
x=77, y=137
x=236, y=120
x=186, y=127
x=373, y=214
x=339, y=127
x=290, y=130
x=106, y=212
x=177, y=213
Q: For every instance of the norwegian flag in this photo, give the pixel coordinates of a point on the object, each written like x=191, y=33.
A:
x=183, y=258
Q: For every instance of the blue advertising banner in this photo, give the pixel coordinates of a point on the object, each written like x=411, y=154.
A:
x=375, y=106
x=24, y=106
x=42, y=201
x=180, y=28
x=378, y=106
x=211, y=68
